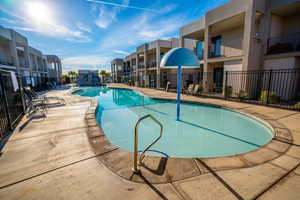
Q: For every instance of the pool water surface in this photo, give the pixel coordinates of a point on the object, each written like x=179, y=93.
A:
x=203, y=131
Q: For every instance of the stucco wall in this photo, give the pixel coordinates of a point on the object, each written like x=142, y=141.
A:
x=281, y=63
x=233, y=65
x=232, y=42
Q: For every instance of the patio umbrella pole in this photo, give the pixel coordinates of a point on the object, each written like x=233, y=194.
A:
x=178, y=91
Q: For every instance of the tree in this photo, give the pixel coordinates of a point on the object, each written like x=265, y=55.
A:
x=104, y=75
x=73, y=75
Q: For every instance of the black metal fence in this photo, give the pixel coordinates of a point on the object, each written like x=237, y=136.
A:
x=12, y=104
x=269, y=87
x=272, y=87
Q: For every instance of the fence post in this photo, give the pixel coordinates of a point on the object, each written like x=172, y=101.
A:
x=6, y=104
x=269, y=86
x=225, y=89
x=21, y=92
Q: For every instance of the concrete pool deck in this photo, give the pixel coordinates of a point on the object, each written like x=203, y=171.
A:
x=66, y=156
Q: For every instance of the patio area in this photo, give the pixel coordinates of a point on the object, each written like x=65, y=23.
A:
x=67, y=156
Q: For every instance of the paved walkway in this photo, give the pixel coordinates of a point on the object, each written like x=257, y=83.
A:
x=52, y=158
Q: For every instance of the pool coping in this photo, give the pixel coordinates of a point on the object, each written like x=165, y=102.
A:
x=175, y=169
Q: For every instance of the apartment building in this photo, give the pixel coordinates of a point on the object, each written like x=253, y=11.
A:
x=130, y=68
x=54, y=68
x=117, y=66
x=88, y=78
x=245, y=35
x=142, y=67
x=16, y=55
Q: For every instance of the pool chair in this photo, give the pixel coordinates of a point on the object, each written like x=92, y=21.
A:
x=168, y=86
x=43, y=97
x=34, y=105
x=196, y=90
x=190, y=89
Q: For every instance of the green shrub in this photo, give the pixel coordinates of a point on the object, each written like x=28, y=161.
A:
x=297, y=105
x=242, y=95
x=273, y=98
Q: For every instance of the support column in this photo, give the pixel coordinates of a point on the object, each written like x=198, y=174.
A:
x=28, y=60
x=157, y=66
x=181, y=41
x=206, y=50
x=264, y=30
x=136, y=71
x=13, y=50
x=145, y=76
x=251, y=47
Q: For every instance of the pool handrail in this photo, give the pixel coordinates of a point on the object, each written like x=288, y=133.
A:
x=142, y=156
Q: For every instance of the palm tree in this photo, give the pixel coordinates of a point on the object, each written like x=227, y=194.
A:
x=104, y=74
x=73, y=75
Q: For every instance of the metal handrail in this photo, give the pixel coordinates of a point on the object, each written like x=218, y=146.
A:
x=142, y=156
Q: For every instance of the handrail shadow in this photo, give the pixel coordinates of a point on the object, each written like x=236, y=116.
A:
x=160, y=168
x=159, y=193
x=236, y=194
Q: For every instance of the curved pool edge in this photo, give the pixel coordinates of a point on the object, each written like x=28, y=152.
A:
x=175, y=169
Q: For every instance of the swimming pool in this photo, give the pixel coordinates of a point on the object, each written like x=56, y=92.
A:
x=203, y=130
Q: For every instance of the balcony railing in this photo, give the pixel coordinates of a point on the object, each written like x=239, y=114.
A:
x=141, y=66
x=23, y=63
x=284, y=44
x=151, y=65
x=6, y=60
x=228, y=48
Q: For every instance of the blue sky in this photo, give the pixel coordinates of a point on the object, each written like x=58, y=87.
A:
x=88, y=34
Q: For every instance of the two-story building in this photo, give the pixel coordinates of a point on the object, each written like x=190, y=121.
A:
x=144, y=65
x=16, y=55
x=117, y=70
x=245, y=35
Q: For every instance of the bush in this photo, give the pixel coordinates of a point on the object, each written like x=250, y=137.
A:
x=297, y=105
x=242, y=95
x=273, y=98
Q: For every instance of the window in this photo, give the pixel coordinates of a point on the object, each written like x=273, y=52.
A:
x=199, y=49
x=216, y=42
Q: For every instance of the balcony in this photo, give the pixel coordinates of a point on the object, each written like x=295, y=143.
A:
x=23, y=63
x=141, y=66
x=6, y=60
x=228, y=48
x=151, y=65
x=284, y=44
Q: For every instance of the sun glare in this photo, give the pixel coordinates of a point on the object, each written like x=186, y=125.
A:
x=38, y=12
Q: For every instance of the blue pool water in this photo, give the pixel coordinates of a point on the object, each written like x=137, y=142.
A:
x=203, y=131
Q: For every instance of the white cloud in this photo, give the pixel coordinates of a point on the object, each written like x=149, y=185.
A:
x=49, y=28
x=9, y=21
x=75, y=63
x=83, y=27
x=91, y=60
x=121, y=52
x=106, y=15
x=124, y=5
x=143, y=28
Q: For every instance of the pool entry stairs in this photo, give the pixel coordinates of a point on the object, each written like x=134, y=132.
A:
x=137, y=161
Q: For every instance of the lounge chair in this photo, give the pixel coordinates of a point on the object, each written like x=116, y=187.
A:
x=34, y=105
x=196, y=90
x=190, y=89
x=42, y=97
x=168, y=86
